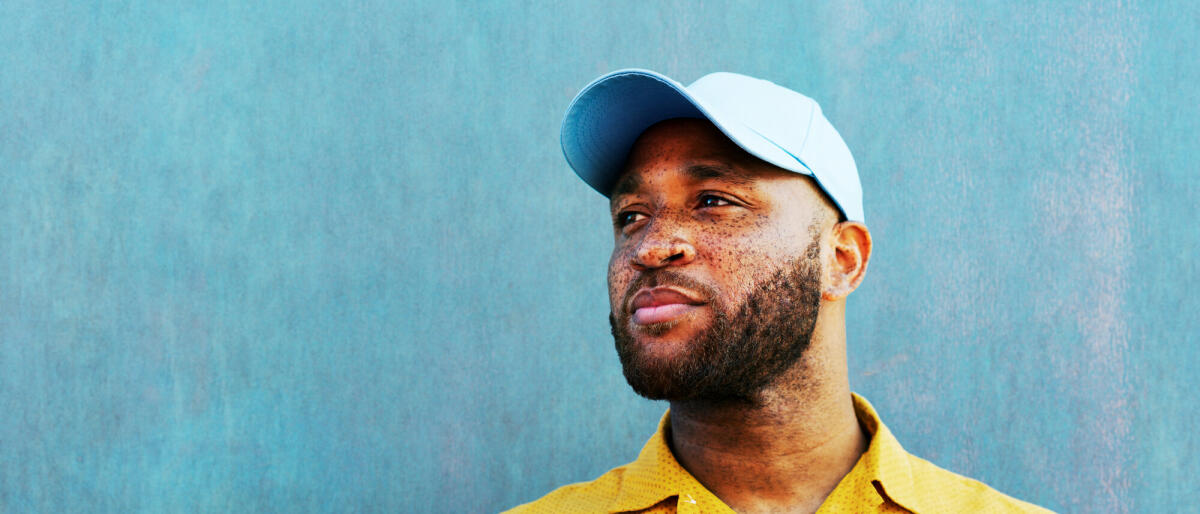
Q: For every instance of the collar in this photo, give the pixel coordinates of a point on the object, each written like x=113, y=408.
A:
x=656, y=475
x=886, y=462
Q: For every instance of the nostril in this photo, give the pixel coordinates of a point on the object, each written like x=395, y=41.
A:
x=659, y=254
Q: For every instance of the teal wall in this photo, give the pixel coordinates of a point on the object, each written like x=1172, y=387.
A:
x=269, y=256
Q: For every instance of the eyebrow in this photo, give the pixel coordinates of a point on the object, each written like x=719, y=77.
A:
x=697, y=172
x=700, y=172
x=625, y=185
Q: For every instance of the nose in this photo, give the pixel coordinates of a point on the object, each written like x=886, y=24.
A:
x=659, y=251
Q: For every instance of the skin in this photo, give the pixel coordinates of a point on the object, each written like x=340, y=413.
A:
x=786, y=447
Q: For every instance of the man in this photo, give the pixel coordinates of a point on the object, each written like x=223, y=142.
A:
x=739, y=232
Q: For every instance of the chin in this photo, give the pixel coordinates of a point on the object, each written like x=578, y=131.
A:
x=660, y=340
x=662, y=354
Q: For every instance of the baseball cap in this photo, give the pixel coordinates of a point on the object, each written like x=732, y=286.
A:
x=771, y=122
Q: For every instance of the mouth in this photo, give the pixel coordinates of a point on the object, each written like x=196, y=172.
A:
x=662, y=305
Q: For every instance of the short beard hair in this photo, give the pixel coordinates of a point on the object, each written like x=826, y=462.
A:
x=742, y=352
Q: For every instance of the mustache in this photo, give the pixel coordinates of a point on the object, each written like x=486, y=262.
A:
x=667, y=278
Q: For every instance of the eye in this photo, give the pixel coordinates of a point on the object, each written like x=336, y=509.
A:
x=713, y=201
x=626, y=218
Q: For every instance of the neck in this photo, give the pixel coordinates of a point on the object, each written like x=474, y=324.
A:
x=786, y=450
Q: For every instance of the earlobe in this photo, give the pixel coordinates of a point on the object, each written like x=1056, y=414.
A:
x=851, y=253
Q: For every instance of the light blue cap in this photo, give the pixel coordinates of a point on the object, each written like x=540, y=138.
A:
x=773, y=123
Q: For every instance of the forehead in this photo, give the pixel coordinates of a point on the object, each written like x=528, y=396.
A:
x=697, y=149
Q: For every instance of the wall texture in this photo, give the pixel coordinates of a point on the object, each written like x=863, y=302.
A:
x=325, y=257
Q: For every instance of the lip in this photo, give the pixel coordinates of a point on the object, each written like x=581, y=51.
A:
x=662, y=304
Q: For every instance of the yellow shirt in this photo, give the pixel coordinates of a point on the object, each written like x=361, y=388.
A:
x=885, y=479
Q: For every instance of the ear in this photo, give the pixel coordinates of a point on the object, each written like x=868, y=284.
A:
x=851, y=243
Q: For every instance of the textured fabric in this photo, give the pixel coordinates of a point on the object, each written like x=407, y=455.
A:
x=885, y=479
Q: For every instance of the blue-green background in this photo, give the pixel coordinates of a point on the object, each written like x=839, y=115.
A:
x=327, y=257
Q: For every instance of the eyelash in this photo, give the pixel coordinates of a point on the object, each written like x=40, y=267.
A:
x=715, y=197
x=621, y=220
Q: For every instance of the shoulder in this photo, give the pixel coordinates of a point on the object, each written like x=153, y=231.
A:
x=594, y=496
x=946, y=491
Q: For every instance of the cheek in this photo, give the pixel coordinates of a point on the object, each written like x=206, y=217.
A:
x=738, y=256
x=619, y=277
x=734, y=263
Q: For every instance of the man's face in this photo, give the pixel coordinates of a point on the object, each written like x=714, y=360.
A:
x=714, y=280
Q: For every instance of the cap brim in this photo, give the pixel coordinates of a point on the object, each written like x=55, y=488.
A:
x=608, y=115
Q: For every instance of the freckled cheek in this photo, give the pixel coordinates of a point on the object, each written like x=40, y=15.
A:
x=619, y=277
x=727, y=249
x=751, y=236
x=734, y=261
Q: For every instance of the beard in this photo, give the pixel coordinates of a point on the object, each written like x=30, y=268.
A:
x=745, y=349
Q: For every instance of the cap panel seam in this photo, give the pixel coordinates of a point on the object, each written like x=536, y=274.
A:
x=812, y=115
